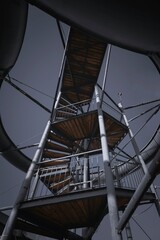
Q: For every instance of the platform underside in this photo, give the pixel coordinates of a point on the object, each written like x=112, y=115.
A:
x=76, y=210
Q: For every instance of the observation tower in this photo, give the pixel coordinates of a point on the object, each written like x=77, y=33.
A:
x=81, y=170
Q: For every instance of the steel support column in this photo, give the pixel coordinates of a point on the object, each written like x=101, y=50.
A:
x=86, y=175
x=133, y=141
x=9, y=227
x=106, y=70
x=111, y=195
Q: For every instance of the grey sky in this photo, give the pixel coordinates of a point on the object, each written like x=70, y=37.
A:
x=38, y=65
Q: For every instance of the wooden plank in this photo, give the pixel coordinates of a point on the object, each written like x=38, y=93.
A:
x=51, y=154
x=59, y=139
x=55, y=163
x=60, y=184
x=86, y=126
x=56, y=147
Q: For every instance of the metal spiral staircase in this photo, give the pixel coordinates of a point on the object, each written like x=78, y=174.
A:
x=69, y=187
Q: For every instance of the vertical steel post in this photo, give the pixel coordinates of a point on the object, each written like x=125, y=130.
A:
x=133, y=141
x=9, y=227
x=64, y=58
x=86, y=176
x=86, y=172
x=117, y=176
x=111, y=195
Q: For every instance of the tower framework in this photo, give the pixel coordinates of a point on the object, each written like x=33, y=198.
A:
x=75, y=179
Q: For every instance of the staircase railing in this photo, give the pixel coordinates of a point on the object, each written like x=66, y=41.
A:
x=68, y=178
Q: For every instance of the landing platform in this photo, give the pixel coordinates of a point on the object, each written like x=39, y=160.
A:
x=75, y=210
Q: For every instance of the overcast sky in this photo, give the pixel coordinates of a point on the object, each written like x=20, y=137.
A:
x=38, y=66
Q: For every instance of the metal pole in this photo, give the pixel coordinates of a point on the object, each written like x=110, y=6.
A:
x=53, y=117
x=106, y=70
x=148, y=178
x=86, y=175
x=60, y=32
x=86, y=166
x=64, y=58
x=34, y=186
x=117, y=177
x=135, y=146
x=86, y=172
x=111, y=195
x=137, y=151
x=9, y=227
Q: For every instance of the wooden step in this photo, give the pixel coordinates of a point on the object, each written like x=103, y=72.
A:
x=59, y=185
x=55, y=162
x=55, y=177
x=66, y=108
x=51, y=154
x=65, y=114
x=59, y=139
x=44, y=172
x=56, y=147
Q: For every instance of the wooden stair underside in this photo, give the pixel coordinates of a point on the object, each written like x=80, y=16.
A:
x=82, y=209
x=85, y=126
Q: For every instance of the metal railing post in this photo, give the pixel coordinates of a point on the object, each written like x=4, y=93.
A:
x=86, y=175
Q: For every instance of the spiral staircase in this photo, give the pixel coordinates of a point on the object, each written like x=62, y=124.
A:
x=63, y=195
x=69, y=189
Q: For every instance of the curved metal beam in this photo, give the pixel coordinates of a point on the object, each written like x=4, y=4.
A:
x=134, y=26
x=13, y=20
